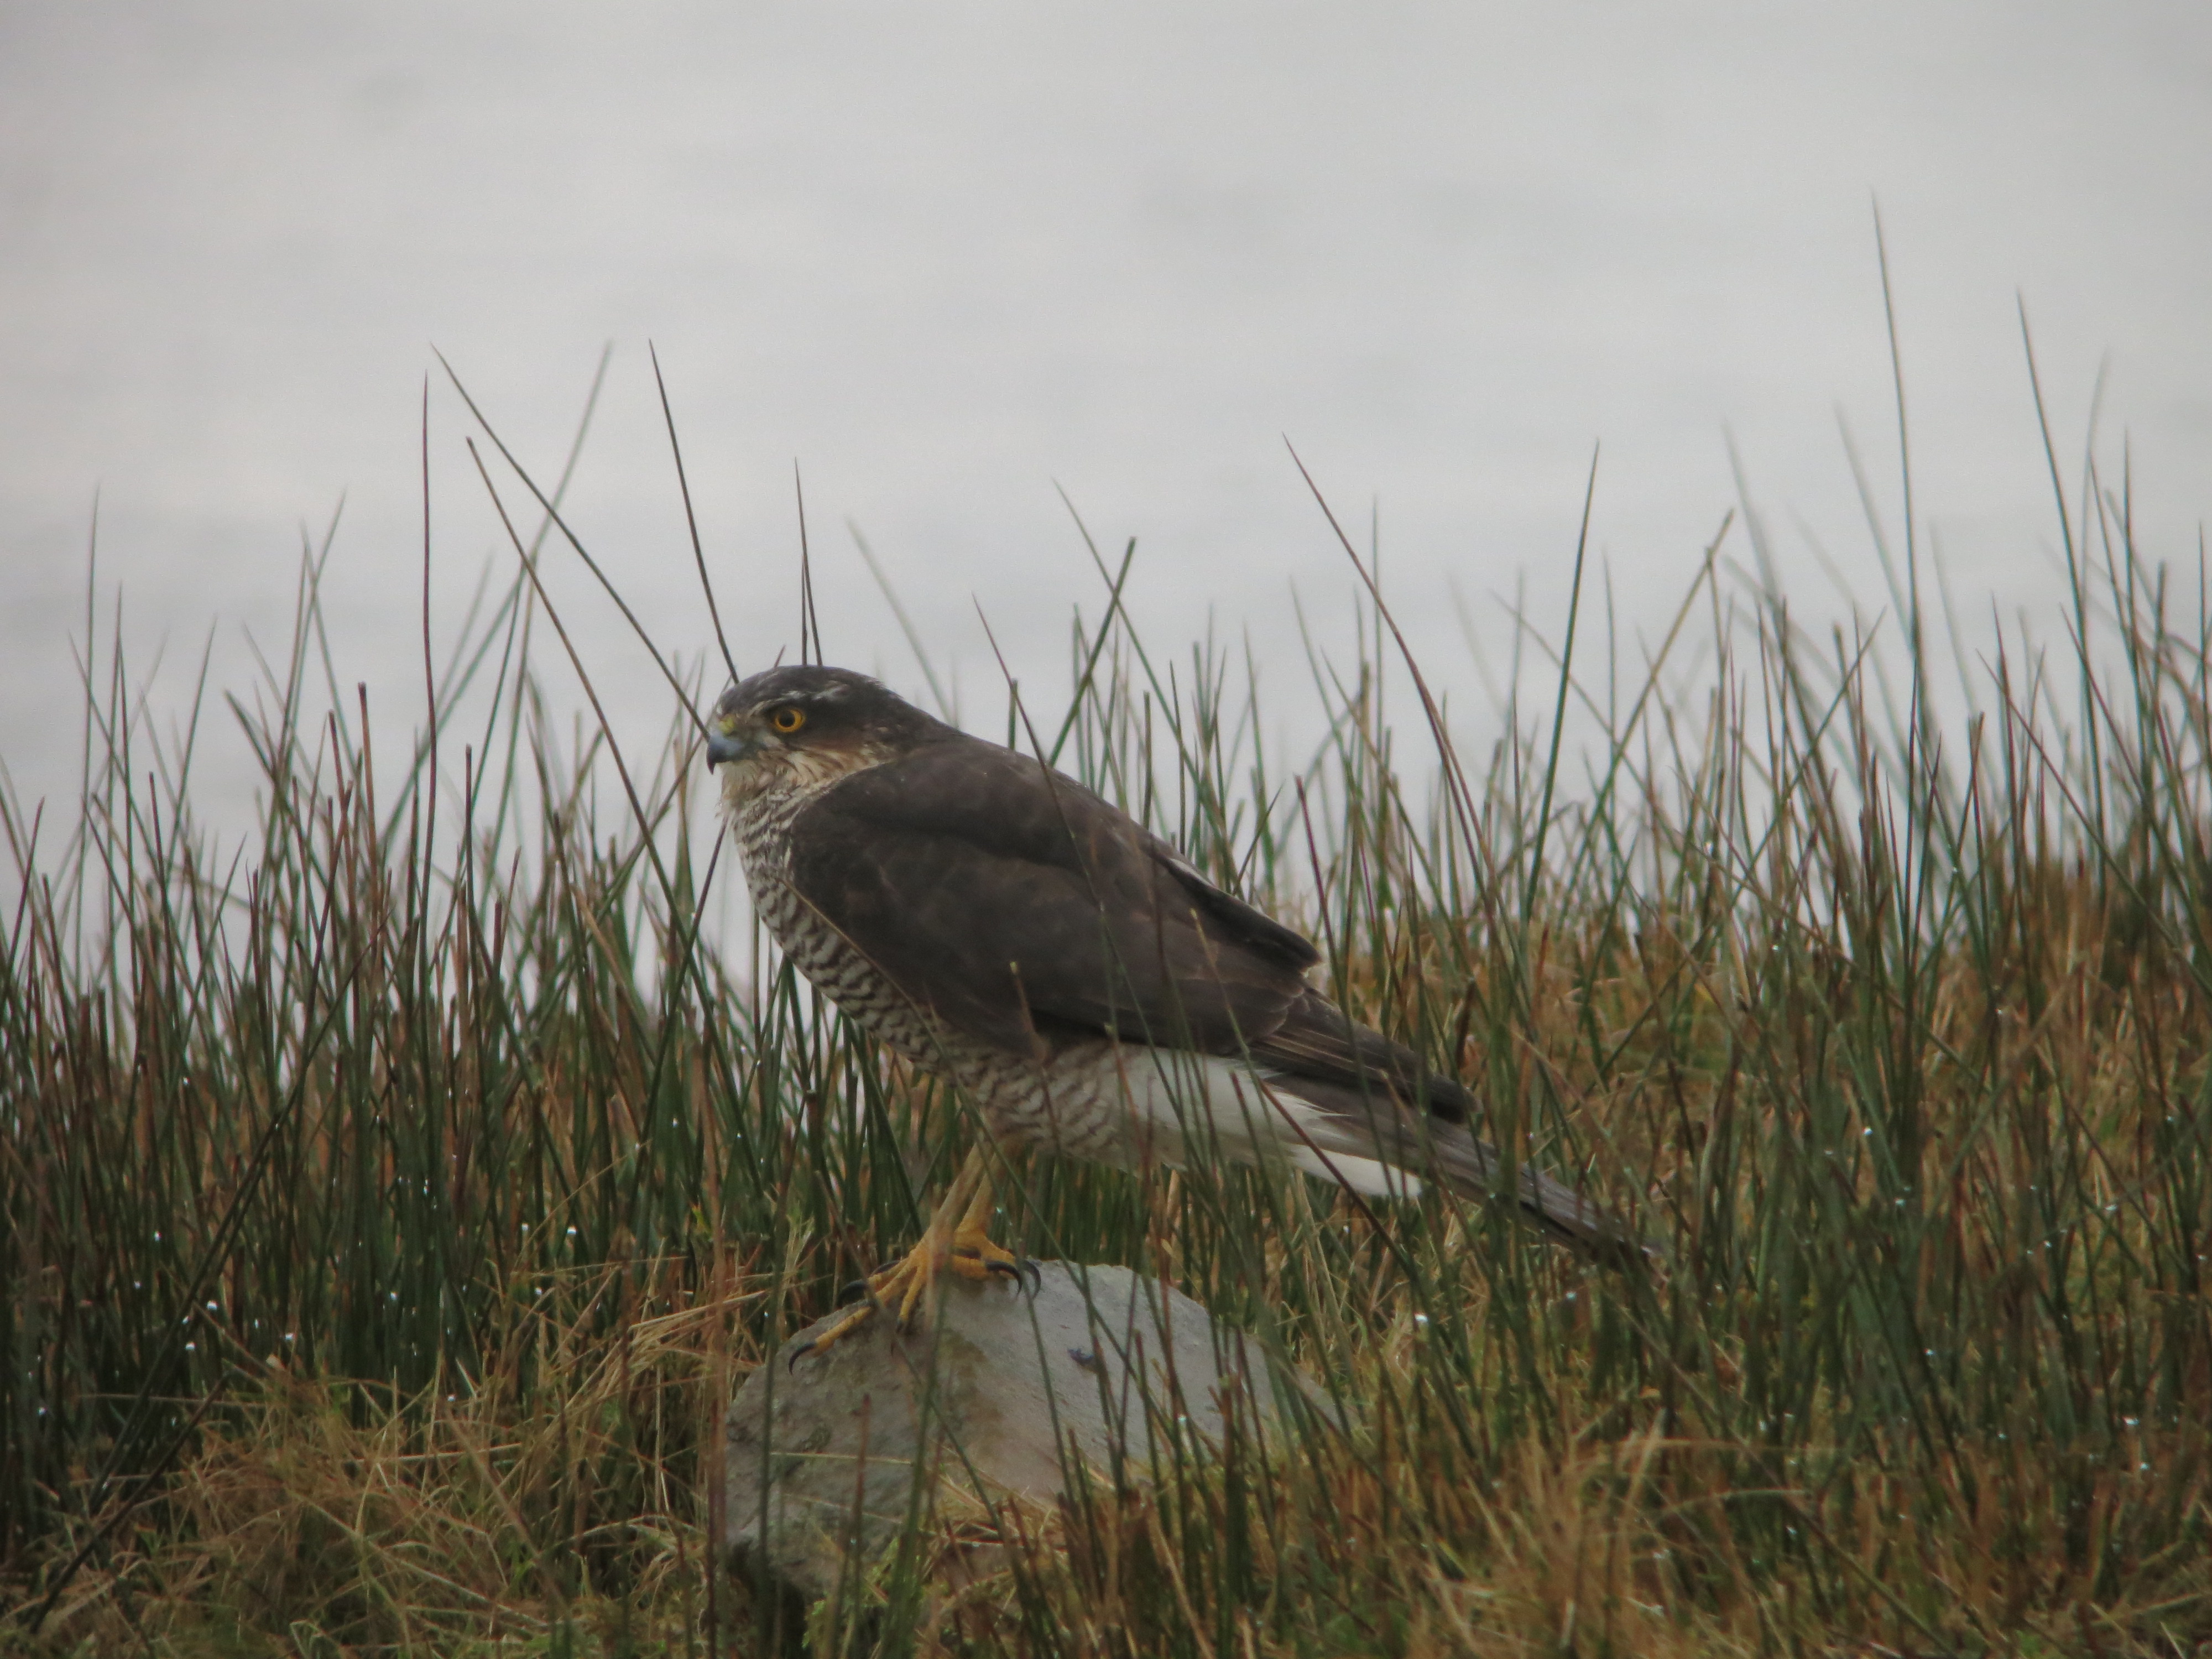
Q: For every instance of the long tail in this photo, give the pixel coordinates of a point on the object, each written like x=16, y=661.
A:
x=1371, y=1125
x=1378, y=1102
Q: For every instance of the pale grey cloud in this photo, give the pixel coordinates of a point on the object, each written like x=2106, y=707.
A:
x=947, y=256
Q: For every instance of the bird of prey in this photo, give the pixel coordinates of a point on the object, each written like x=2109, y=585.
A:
x=1082, y=986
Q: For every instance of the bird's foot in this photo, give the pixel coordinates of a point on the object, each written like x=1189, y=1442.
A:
x=901, y=1288
x=973, y=1255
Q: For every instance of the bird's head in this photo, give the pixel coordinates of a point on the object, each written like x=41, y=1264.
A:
x=801, y=726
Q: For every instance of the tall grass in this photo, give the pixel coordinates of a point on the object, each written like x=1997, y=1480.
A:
x=390, y=1203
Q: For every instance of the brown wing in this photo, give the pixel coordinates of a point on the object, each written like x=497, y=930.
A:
x=1023, y=910
x=1316, y=1039
x=1364, y=1081
x=1016, y=905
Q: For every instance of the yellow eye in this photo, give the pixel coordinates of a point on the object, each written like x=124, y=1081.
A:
x=787, y=720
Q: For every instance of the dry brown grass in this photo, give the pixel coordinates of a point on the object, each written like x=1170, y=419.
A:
x=1905, y=1061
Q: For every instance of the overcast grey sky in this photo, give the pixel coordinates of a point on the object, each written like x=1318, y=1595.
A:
x=946, y=257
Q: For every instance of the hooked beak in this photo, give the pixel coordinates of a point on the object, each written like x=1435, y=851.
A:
x=725, y=746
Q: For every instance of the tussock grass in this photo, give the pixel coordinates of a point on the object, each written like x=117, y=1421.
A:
x=389, y=1203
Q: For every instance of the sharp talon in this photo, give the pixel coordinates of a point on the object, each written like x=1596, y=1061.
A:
x=838, y=1330
x=1008, y=1269
x=852, y=1293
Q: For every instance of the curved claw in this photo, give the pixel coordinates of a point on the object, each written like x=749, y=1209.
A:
x=1024, y=1272
x=991, y=1263
x=865, y=1311
x=901, y=1286
x=791, y=1365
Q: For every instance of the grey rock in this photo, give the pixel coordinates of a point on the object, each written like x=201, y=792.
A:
x=1004, y=1391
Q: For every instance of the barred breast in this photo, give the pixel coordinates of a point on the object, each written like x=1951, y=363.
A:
x=1072, y=1104
x=763, y=831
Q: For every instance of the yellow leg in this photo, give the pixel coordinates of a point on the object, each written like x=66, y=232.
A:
x=958, y=1238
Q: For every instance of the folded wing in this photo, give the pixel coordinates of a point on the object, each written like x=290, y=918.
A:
x=1025, y=912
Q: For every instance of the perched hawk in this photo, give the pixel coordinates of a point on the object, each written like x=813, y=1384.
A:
x=1079, y=982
